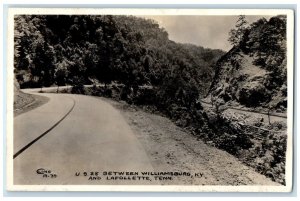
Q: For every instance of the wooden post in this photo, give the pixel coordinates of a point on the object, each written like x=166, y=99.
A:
x=269, y=116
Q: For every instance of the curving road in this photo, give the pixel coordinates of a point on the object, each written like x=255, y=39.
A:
x=74, y=134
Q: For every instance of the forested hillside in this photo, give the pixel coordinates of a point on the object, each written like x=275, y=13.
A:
x=60, y=50
x=254, y=72
x=165, y=76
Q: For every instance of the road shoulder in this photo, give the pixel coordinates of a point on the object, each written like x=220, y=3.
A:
x=171, y=148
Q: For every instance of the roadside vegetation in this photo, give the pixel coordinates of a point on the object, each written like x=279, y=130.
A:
x=137, y=63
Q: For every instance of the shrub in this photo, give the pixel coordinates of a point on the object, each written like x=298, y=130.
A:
x=226, y=134
x=78, y=89
x=253, y=94
x=125, y=92
x=145, y=96
x=268, y=157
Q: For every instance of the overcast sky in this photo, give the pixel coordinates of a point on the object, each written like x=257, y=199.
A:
x=206, y=31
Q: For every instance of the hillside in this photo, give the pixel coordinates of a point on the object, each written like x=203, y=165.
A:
x=132, y=59
x=24, y=102
x=80, y=50
x=253, y=72
x=252, y=76
x=21, y=99
x=59, y=50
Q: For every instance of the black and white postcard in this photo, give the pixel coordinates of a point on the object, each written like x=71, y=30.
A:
x=150, y=100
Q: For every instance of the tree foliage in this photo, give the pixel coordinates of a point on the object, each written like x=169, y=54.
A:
x=254, y=72
x=62, y=49
x=236, y=34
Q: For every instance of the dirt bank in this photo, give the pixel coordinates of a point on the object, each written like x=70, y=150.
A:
x=24, y=102
x=171, y=148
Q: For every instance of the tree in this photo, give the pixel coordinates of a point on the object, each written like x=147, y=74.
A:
x=61, y=74
x=236, y=35
x=102, y=48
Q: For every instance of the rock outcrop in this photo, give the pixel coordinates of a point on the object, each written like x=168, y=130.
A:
x=253, y=73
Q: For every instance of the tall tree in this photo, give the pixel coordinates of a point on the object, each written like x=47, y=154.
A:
x=236, y=35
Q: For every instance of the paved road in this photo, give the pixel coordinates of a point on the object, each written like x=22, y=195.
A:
x=92, y=137
x=273, y=118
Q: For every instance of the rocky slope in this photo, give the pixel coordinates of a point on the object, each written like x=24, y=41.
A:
x=253, y=72
x=20, y=99
x=253, y=76
x=24, y=102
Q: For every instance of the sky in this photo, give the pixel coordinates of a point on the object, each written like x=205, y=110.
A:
x=206, y=31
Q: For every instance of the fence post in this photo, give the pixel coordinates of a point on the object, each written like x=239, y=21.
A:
x=269, y=116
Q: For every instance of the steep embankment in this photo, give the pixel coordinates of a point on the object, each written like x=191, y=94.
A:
x=24, y=102
x=253, y=73
x=21, y=99
x=171, y=148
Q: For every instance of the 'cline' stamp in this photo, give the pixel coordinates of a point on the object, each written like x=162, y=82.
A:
x=46, y=173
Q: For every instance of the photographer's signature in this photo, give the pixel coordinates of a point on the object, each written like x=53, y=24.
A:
x=45, y=173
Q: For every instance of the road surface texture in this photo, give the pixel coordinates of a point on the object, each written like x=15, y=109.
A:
x=93, y=137
x=76, y=134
